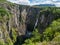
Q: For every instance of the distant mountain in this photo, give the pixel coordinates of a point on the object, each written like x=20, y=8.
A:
x=46, y=5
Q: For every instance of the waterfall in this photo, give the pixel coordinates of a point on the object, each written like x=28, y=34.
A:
x=36, y=23
x=36, y=20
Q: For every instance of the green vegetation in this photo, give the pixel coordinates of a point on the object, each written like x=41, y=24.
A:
x=36, y=37
x=14, y=34
x=2, y=42
x=9, y=41
x=52, y=31
x=2, y=0
x=51, y=34
x=4, y=17
x=3, y=12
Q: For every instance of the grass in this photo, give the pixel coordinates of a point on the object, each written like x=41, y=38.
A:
x=2, y=1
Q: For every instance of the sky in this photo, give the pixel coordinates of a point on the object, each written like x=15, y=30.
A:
x=36, y=2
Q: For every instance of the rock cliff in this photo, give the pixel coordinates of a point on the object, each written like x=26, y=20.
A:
x=16, y=20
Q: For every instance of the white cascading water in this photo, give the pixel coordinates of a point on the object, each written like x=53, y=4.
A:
x=36, y=20
x=36, y=23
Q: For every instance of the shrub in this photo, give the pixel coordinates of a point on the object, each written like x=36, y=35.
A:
x=36, y=36
x=2, y=42
x=9, y=41
x=14, y=34
x=51, y=30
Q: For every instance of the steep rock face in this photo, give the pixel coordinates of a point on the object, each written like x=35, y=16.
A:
x=9, y=23
x=23, y=19
x=16, y=22
x=30, y=15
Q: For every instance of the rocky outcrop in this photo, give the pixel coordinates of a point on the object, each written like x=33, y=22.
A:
x=23, y=19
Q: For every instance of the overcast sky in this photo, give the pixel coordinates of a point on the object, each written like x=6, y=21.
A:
x=36, y=2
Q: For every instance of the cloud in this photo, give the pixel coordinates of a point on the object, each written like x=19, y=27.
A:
x=57, y=4
x=23, y=2
x=47, y=2
x=56, y=0
x=36, y=2
x=30, y=2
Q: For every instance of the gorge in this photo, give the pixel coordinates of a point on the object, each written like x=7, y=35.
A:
x=18, y=21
